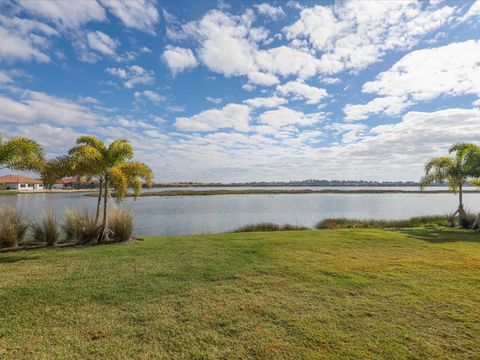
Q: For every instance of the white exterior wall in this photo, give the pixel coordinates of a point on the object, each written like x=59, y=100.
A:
x=21, y=186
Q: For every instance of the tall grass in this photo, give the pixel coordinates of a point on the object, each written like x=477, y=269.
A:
x=269, y=227
x=419, y=221
x=80, y=226
x=13, y=226
x=47, y=230
x=121, y=223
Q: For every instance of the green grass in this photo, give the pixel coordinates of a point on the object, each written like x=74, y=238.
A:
x=346, y=294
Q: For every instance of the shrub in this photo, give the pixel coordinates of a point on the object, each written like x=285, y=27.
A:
x=120, y=224
x=419, y=221
x=269, y=227
x=13, y=226
x=47, y=231
x=81, y=227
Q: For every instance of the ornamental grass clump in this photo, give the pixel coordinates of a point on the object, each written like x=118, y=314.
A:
x=47, y=230
x=120, y=224
x=13, y=226
x=81, y=227
x=269, y=227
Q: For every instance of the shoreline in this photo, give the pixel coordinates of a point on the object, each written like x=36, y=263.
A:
x=284, y=191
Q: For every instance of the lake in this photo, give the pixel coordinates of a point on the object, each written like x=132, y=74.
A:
x=181, y=215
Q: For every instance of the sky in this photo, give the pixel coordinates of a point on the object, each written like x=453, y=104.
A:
x=227, y=91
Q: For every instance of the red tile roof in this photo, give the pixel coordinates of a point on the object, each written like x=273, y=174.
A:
x=71, y=180
x=18, y=179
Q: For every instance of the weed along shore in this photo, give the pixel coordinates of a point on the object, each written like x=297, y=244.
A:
x=285, y=191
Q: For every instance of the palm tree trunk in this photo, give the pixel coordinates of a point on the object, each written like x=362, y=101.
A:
x=462, y=215
x=99, y=200
x=104, y=230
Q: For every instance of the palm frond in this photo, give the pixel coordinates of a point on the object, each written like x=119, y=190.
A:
x=21, y=153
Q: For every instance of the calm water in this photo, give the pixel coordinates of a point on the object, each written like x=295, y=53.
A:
x=210, y=214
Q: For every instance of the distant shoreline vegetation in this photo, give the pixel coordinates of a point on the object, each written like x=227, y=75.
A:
x=332, y=183
x=284, y=191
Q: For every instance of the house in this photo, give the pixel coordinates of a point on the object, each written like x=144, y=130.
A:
x=19, y=182
x=73, y=183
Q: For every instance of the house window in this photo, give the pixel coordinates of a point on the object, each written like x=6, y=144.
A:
x=23, y=185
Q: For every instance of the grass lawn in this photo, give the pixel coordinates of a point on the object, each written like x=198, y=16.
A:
x=345, y=294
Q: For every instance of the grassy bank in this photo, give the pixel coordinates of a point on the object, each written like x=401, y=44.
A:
x=349, y=293
x=285, y=191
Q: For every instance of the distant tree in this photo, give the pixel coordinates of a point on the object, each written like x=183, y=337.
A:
x=111, y=166
x=454, y=171
x=21, y=153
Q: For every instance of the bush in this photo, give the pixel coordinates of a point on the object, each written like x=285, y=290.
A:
x=13, y=226
x=81, y=227
x=269, y=227
x=419, y=221
x=120, y=224
x=47, y=231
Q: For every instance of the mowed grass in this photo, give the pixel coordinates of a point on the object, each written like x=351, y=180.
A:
x=333, y=294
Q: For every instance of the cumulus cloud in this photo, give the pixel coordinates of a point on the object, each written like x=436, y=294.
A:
x=472, y=12
x=214, y=100
x=65, y=14
x=179, y=59
x=140, y=14
x=102, y=43
x=284, y=116
x=273, y=12
x=231, y=116
x=299, y=91
x=389, y=105
x=355, y=34
x=267, y=102
x=423, y=75
x=37, y=106
x=151, y=95
x=24, y=39
x=132, y=75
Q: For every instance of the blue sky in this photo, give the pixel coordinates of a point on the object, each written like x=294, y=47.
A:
x=246, y=91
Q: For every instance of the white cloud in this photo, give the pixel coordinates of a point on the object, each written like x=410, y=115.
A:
x=473, y=11
x=151, y=95
x=286, y=61
x=267, y=102
x=330, y=80
x=389, y=105
x=37, y=106
x=300, y=90
x=139, y=14
x=132, y=75
x=66, y=14
x=214, y=100
x=284, y=116
x=101, y=42
x=350, y=132
x=355, y=34
x=24, y=39
x=259, y=78
x=270, y=11
x=233, y=116
x=131, y=123
x=422, y=75
x=179, y=59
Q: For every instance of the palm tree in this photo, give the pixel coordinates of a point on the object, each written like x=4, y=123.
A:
x=454, y=171
x=21, y=153
x=110, y=166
